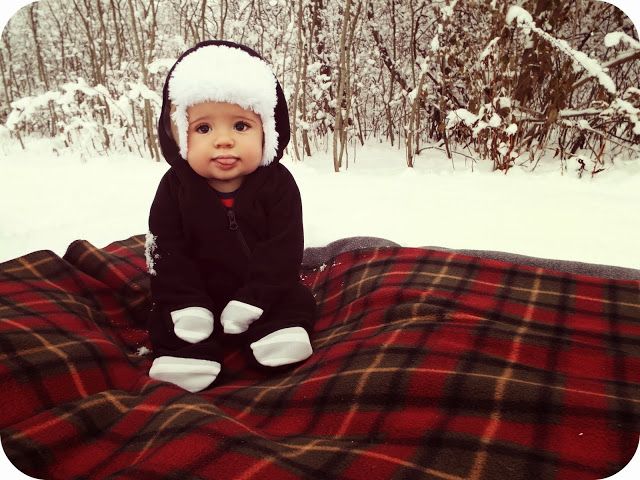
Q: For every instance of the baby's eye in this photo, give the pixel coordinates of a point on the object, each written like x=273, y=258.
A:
x=242, y=126
x=204, y=128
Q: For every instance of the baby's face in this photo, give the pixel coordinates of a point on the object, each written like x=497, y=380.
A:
x=224, y=143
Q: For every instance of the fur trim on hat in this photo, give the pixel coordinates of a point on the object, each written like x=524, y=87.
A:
x=218, y=73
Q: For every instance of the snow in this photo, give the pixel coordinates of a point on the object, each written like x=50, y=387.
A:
x=161, y=65
x=519, y=14
x=495, y=121
x=461, y=115
x=628, y=109
x=30, y=107
x=485, y=53
x=142, y=351
x=435, y=44
x=55, y=200
x=149, y=252
x=614, y=38
x=447, y=9
x=26, y=106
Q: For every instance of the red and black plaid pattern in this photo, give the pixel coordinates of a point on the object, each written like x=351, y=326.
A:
x=427, y=364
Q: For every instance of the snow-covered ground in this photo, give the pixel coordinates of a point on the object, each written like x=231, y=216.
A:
x=49, y=201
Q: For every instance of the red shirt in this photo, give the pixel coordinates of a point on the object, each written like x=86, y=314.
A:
x=227, y=199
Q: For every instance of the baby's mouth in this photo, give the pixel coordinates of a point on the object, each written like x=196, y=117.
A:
x=225, y=161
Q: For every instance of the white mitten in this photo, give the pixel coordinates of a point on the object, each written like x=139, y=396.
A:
x=237, y=316
x=192, y=324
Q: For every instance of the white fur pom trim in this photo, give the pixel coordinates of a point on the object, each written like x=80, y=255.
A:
x=217, y=73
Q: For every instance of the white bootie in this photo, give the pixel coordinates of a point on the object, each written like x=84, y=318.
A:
x=192, y=374
x=192, y=324
x=283, y=347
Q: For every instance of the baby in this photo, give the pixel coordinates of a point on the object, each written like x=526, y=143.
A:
x=226, y=238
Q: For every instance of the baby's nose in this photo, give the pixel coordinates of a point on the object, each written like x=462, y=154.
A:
x=223, y=138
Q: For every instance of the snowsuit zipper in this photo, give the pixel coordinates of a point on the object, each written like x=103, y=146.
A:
x=233, y=226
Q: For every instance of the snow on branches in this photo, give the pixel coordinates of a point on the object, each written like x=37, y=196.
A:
x=75, y=107
x=525, y=21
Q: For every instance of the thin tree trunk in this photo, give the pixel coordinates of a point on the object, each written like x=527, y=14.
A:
x=348, y=96
x=413, y=132
x=342, y=74
x=7, y=90
x=203, y=14
x=33, y=23
x=302, y=58
x=118, y=31
x=148, y=124
x=224, y=8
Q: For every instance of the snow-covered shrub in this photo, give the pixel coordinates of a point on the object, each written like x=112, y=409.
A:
x=83, y=117
x=490, y=130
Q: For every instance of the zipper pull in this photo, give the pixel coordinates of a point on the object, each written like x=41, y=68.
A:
x=233, y=224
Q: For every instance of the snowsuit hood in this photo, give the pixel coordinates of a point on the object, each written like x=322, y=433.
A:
x=222, y=71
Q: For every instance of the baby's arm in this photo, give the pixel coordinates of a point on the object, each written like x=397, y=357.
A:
x=176, y=283
x=274, y=265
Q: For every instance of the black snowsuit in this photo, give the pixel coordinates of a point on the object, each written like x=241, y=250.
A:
x=206, y=255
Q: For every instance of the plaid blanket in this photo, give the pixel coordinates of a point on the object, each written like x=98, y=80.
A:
x=427, y=364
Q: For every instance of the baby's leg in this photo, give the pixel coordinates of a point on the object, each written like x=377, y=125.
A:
x=281, y=336
x=189, y=361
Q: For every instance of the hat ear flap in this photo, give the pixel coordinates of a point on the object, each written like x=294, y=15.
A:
x=281, y=116
x=167, y=135
x=169, y=125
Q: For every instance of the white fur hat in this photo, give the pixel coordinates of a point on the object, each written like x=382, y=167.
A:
x=221, y=73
